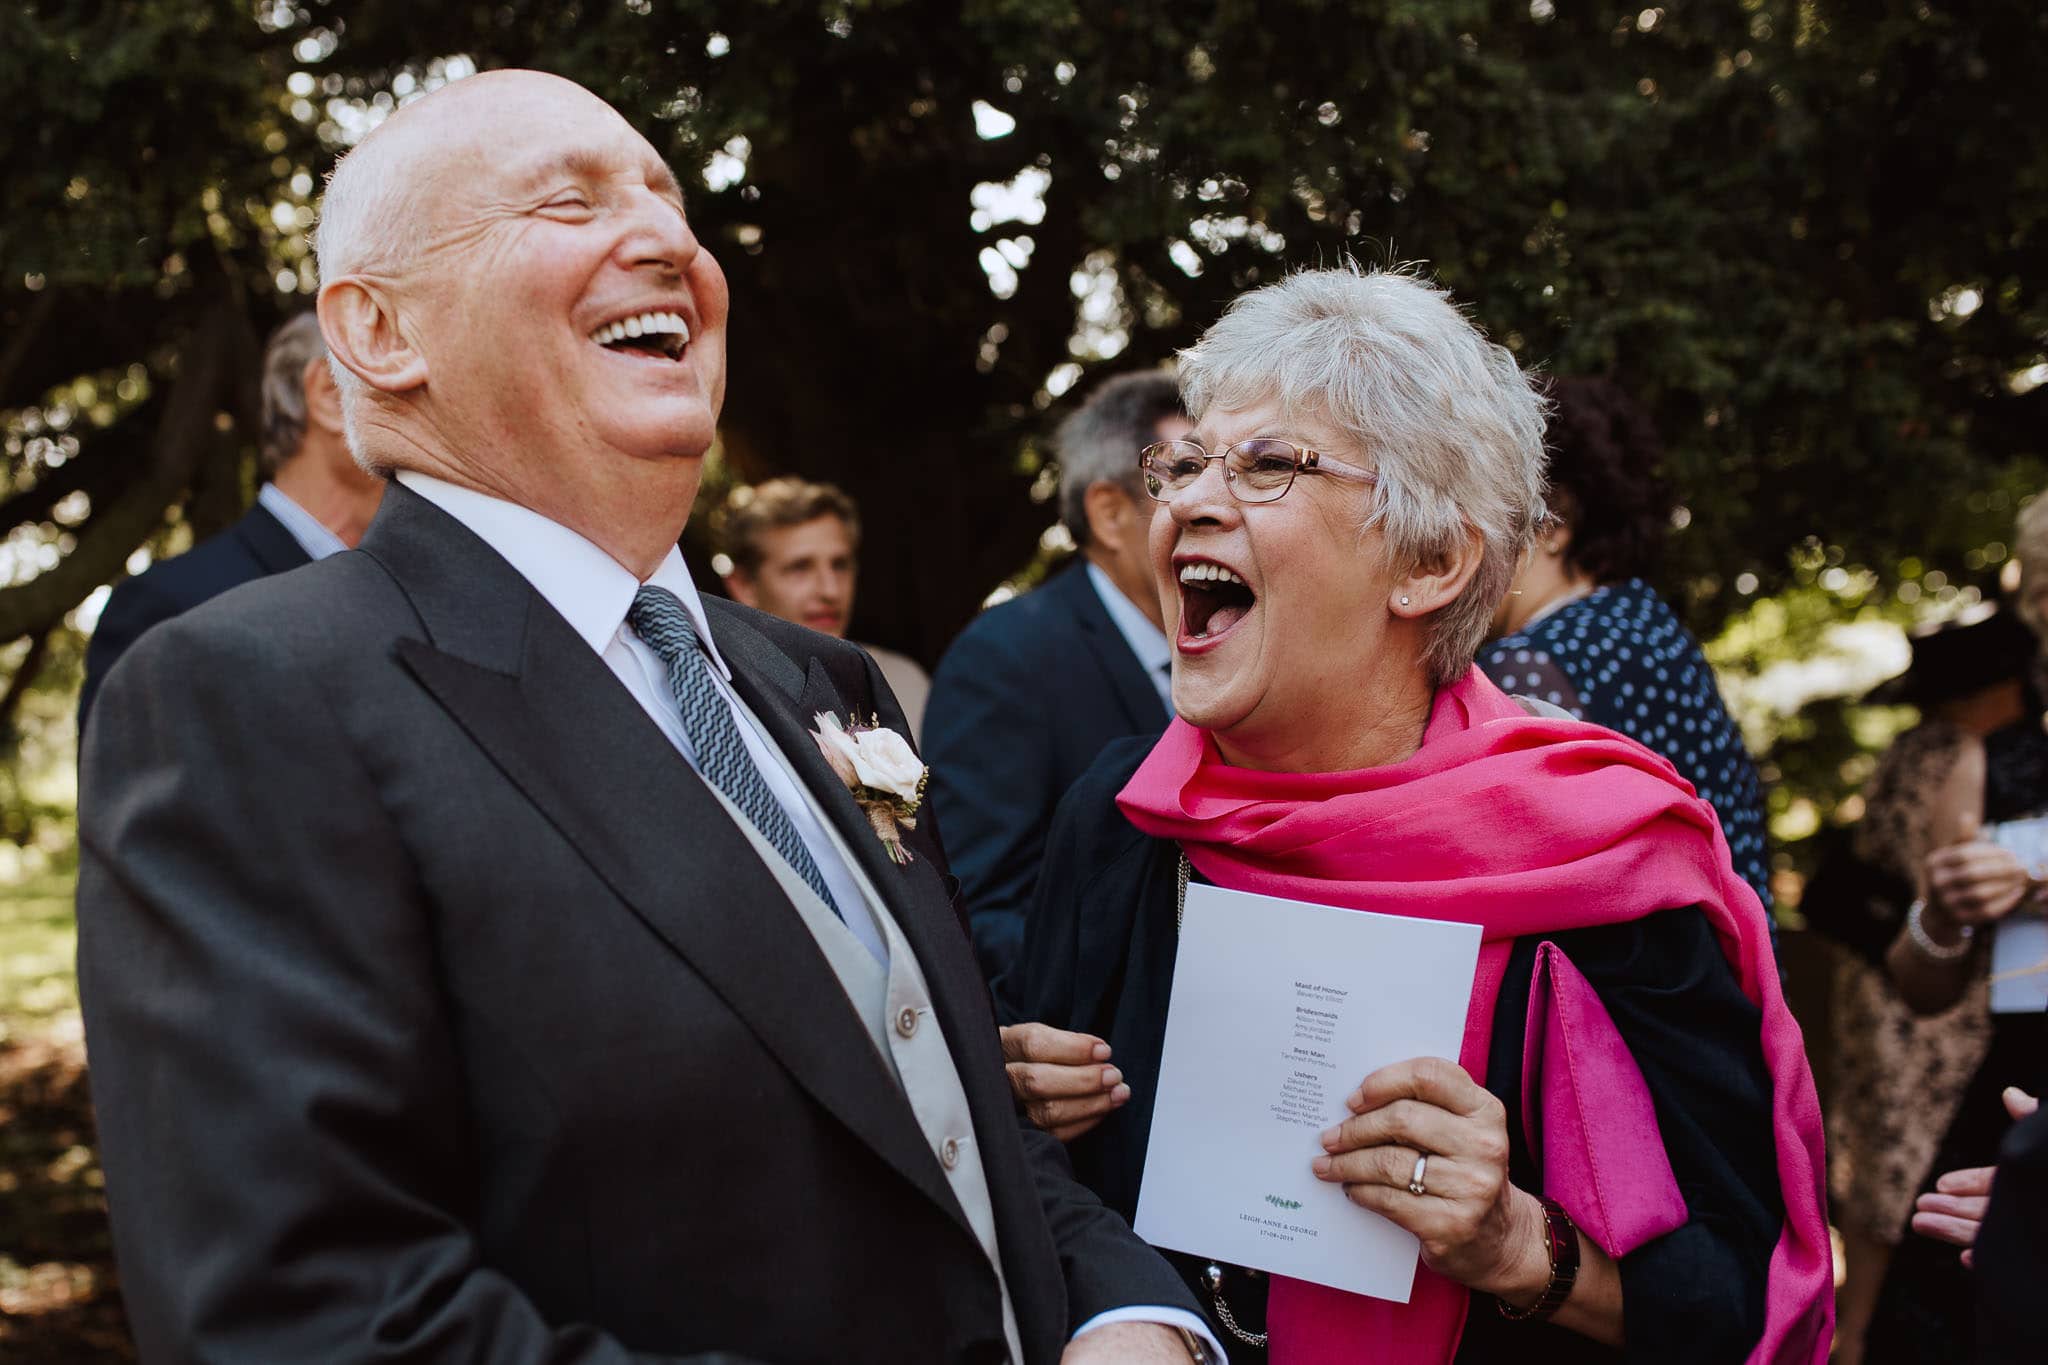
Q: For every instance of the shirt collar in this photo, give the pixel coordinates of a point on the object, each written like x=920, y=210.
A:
x=315, y=539
x=1146, y=640
x=591, y=590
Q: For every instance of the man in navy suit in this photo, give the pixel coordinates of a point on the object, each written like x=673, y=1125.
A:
x=315, y=503
x=1027, y=696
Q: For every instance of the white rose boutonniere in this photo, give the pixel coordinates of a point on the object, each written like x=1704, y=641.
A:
x=881, y=770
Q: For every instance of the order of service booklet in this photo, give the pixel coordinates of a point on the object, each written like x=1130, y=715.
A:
x=2019, y=942
x=1280, y=1008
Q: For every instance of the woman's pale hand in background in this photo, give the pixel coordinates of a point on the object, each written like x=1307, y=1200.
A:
x=1954, y=1211
x=1062, y=1078
x=1976, y=881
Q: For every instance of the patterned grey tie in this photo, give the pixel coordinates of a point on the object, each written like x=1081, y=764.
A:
x=658, y=617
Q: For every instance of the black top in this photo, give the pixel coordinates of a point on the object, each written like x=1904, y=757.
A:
x=1099, y=955
x=1620, y=657
x=2012, y=1249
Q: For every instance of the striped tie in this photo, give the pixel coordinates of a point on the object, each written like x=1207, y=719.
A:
x=658, y=617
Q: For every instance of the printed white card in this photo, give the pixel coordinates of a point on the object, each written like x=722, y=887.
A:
x=1280, y=1008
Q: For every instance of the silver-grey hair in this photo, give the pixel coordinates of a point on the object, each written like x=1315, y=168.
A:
x=1099, y=442
x=293, y=346
x=1450, y=422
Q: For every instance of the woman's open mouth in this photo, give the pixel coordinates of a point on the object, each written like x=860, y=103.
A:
x=1213, y=599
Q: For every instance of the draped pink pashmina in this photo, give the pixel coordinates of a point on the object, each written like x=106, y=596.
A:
x=1522, y=825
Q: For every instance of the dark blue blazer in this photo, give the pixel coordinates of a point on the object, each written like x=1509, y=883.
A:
x=1021, y=705
x=255, y=547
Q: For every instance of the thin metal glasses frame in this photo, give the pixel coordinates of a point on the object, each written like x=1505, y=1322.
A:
x=1155, y=463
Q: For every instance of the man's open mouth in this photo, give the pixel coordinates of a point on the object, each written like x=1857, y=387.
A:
x=1212, y=599
x=659, y=335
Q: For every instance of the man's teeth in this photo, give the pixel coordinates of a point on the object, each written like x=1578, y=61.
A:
x=643, y=325
x=1209, y=573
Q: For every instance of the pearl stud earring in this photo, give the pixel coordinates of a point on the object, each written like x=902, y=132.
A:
x=1404, y=601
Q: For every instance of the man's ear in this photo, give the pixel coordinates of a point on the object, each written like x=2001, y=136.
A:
x=361, y=327
x=739, y=586
x=323, y=397
x=1108, y=507
x=1437, y=580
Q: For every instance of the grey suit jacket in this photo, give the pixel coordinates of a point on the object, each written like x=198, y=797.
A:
x=439, y=1013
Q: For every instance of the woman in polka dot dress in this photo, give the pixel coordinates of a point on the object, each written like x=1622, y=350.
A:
x=1582, y=630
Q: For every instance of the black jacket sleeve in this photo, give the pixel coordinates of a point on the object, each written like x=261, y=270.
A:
x=2011, y=1254
x=994, y=784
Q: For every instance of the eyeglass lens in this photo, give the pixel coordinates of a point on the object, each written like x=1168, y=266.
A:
x=1258, y=470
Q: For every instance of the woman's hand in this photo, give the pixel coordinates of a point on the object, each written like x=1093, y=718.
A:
x=1974, y=882
x=1061, y=1078
x=1475, y=1227
x=1954, y=1211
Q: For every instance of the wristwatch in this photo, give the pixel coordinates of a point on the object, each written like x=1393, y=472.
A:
x=1198, y=1349
x=1562, y=1242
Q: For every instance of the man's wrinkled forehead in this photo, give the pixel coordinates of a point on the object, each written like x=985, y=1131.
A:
x=509, y=131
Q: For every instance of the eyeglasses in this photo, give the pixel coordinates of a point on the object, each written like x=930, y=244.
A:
x=1259, y=470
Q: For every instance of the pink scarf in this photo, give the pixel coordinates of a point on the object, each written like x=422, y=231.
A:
x=1523, y=825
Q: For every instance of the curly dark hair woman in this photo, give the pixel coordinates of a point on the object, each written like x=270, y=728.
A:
x=1584, y=630
x=1606, y=484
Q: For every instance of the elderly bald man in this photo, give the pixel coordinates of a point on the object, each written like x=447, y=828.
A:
x=482, y=960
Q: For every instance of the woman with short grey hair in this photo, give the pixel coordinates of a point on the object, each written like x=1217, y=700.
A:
x=1332, y=539
x=1383, y=360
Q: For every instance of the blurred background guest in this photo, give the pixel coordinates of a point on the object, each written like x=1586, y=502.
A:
x=1937, y=960
x=1363, y=476
x=1029, y=693
x=1900, y=1075
x=792, y=549
x=1582, y=629
x=314, y=502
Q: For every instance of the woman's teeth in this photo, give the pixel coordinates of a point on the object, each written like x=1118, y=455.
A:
x=1208, y=573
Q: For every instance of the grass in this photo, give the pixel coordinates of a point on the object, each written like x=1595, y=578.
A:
x=38, y=940
x=59, y=1299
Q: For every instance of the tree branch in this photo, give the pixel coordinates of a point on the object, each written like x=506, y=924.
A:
x=108, y=537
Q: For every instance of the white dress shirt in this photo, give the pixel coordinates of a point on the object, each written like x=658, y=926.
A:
x=1147, y=641
x=316, y=540
x=593, y=592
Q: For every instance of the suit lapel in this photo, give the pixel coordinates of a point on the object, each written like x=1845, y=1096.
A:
x=556, y=722
x=1134, y=691
x=786, y=699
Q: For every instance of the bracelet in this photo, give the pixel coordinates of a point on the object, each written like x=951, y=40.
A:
x=1562, y=1240
x=1924, y=942
x=1197, y=1349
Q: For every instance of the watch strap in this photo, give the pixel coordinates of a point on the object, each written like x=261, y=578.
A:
x=1562, y=1241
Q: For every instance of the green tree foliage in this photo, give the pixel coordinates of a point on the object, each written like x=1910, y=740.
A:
x=1808, y=234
